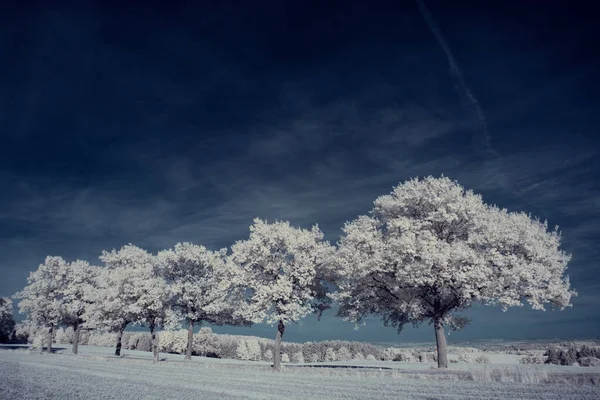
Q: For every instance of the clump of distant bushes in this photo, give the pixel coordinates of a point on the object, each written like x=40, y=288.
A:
x=585, y=356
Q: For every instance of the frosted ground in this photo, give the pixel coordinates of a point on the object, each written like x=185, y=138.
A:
x=96, y=374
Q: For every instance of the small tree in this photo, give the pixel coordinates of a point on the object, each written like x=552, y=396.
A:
x=330, y=355
x=343, y=354
x=283, y=269
x=7, y=322
x=431, y=248
x=43, y=297
x=198, y=289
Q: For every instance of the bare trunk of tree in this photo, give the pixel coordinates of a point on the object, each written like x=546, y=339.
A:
x=154, y=342
x=190, y=341
x=440, y=339
x=50, y=337
x=119, y=339
x=75, y=338
x=277, y=353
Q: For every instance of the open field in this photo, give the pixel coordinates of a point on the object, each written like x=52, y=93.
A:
x=95, y=374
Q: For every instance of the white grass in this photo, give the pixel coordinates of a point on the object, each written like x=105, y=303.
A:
x=97, y=374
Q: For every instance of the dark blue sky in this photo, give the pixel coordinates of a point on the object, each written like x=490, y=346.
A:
x=154, y=124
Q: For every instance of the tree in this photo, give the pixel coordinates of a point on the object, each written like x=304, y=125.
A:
x=80, y=279
x=343, y=354
x=431, y=248
x=7, y=322
x=42, y=299
x=284, y=270
x=129, y=291
x=198, y=288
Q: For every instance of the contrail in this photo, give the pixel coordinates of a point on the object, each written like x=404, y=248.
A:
x=458, y=75
x=466, y=91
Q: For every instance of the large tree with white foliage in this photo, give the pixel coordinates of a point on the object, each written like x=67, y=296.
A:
x=129, y=291
x=284, y=269
x=80, y=279
x=431, y=248
x=198, y=288
x=42, y=299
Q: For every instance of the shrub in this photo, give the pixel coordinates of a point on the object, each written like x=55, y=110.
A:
x=553, y=356
x=268, y=356
x=482, y=359
x=589, y=362
x=343, y=354
x=404, y=357
x=370, y=357
x=298, y=358
x=285, y=358
x=206, y=343
x=330, y=355
x=144, y=343
x=532, y=359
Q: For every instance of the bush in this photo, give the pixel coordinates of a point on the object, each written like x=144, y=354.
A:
x=343, y=354
x=404, y=357
x=370, y=357
x=330, y=355
x=298, y=358
x=589, y=362
x=532, y=359
x=144, y=343
x=482, y=359
x=206, y=343
x=553, y=356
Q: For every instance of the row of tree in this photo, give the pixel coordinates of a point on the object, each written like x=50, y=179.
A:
x=425, y=251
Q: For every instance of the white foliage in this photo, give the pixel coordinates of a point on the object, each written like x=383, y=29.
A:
x=431, y=247
x=205, y=342
x=268, y=355
x=343, y=354
x=198, y=287
x=283, y=268
x=248, y=349
x=330, y=354
x=42, y=297
x=62, y=336
x=285, y=358
x=102, y=339
x=80, y=279
x=298, y=357
x=242, y=351
x=129, y=290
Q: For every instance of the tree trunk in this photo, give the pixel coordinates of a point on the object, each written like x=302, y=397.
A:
x=50, y=337
x=119, y=339
x=190, y=341
x=154, y=344
x=277, y=353
x=75, y=337
x=440, y=339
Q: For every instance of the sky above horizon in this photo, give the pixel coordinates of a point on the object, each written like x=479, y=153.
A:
x=153, y=124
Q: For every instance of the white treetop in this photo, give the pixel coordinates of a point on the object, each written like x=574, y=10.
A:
x=129, y=290
x=431, y=248
x=197, y=281
x=42, y=299
x=80, y=279
x=284, y=270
